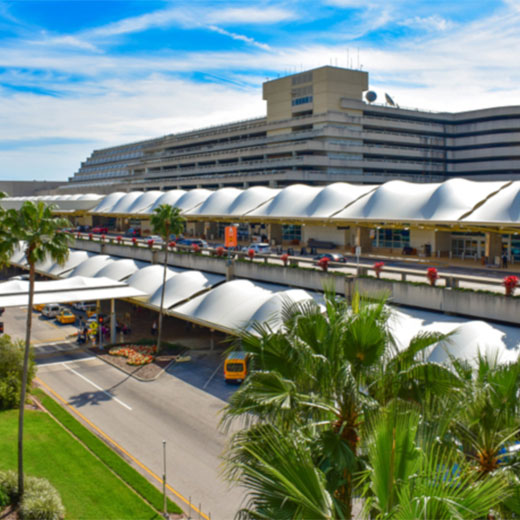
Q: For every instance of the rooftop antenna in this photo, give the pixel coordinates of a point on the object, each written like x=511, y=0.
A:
x=389, y=100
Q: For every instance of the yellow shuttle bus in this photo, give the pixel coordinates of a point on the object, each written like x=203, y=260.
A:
x=235, y=366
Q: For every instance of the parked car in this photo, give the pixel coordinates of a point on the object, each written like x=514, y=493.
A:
x=133, y=232
x=88, y=308
x=100, y=230
x=38, y=307
x=65, y=316
x=156, y=239
x=193, y=241
x=51, y=310
x=258, y=248
x=333, y=257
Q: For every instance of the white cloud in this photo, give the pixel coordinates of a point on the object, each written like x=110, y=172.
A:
x=240, y=37
x=429, y=23
x=191, y=17
x=250, y=15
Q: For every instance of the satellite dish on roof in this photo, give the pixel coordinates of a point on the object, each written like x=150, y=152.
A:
x=370, y=96
x=389, y=100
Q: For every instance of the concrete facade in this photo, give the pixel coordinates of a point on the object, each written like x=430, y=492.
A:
x=317, y=130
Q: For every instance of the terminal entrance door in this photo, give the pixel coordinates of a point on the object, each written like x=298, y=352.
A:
x=468, y=246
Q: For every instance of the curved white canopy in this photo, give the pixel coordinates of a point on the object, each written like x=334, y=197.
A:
x=91, y=266
x=123, y=205
x=108, y=202
x=120, y=269
x=182, y=286
x=503, y=207
x=144, y=202
x=169, y=197
x=75, y=258
x=231, y=306
x=406, y=201
x=150, y=278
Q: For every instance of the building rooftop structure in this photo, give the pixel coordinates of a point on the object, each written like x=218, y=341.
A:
x=319, y=128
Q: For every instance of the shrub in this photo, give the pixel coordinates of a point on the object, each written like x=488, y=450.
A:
x=4, y=499
x=41, y=501
x=9, y=484
x=11, y=367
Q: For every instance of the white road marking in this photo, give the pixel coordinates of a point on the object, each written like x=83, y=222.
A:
x=43, y=365
x=98, y=387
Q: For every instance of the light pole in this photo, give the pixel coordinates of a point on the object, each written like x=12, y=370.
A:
x=165, y=504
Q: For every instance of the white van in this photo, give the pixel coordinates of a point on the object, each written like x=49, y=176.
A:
x=258, y=247
x=51, y=310
x=85, y=306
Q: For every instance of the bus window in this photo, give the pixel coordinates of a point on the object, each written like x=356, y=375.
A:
x=235, y=366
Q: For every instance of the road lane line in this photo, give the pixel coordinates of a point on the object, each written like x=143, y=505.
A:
x=43, y=365
x=98, y=387
x=119, y=447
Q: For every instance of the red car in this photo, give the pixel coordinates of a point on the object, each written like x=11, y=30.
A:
x=99, y=230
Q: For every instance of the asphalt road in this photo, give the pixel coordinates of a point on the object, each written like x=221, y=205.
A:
x=139, y=416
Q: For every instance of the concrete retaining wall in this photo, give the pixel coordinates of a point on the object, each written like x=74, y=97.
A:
x=303, y=278
x=467, y=303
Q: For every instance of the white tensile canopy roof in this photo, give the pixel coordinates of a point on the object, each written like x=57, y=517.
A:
x=16, y=293
x=455, y=200
x=232, y=306
x=467, y=340
x=182, y=286
x=150, y=278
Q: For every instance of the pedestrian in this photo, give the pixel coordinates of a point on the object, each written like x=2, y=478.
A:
x=504, y=260
x=154, y=328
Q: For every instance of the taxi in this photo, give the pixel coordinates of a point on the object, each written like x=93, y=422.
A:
x=38, y=307
x=65, y=316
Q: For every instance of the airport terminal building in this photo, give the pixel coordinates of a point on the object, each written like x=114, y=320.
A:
x=320, y=128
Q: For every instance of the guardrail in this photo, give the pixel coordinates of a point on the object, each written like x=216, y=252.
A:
x=359, y=269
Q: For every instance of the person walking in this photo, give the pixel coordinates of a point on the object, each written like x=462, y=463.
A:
x=154, y=328
x=504, y=260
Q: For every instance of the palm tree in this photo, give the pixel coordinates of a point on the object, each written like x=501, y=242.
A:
x=319, y=377
x=166, y=220
x=40, y=231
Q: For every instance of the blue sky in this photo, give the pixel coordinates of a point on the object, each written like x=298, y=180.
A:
x=80, y=75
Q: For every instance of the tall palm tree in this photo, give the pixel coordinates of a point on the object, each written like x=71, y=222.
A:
x=166, y=220
x=322, y=374
x=40, y=231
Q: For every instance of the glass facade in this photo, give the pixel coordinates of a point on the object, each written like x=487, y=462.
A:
x=391, y=238
x=291, y=232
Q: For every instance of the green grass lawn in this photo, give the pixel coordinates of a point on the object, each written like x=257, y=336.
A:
x=88, y=489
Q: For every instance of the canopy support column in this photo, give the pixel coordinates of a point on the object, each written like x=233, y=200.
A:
x=112, y=321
